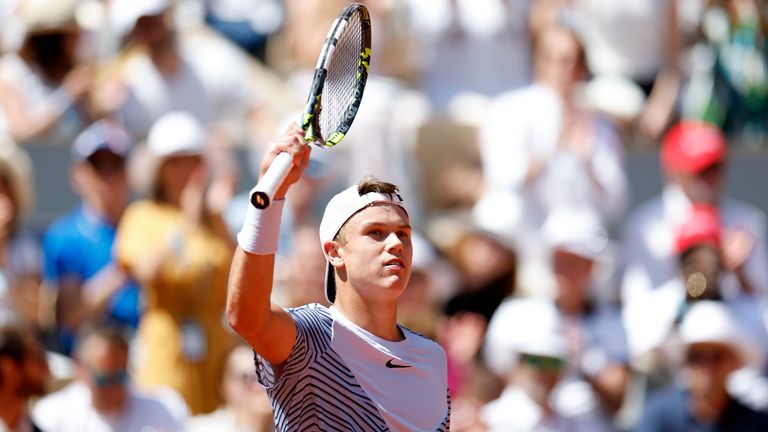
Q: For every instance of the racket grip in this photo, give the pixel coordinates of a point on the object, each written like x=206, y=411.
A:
x=262, y=194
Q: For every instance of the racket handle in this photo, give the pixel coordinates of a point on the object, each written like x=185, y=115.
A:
x=262, y=194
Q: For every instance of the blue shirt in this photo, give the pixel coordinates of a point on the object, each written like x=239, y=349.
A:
x=668, y=411
x=78, y=245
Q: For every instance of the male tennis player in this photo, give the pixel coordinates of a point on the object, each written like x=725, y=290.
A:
x=350, y=366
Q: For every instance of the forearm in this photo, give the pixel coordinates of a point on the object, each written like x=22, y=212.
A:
x=268, y=328
x=610, y=384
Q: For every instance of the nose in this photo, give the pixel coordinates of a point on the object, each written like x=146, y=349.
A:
x=394, y=243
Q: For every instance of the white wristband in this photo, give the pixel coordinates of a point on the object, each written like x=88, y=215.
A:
x=261, y=229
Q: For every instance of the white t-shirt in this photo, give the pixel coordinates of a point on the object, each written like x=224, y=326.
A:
x=515, y=411
x=70, y=410
x=340, y=377
x=526, y=124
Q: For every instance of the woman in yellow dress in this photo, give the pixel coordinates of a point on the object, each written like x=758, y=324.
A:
x=177, y=246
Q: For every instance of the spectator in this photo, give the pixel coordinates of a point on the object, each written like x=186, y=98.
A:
x=23, y=374
x=249, y=24
x=43, y=87
x=729, y=82
x=458, y=36
x=648, y=65
x=77, y=247
x=178, y=248
x=713, y=348
x=102, y=398
x=693, y=159
x=526, y=403
x=156, y=73
x=19, y=248
x=596, y=374
x=539, y=147
x=246, y=406
x=698, y=250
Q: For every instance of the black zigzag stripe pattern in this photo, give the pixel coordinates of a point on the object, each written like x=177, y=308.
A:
x=317, y=392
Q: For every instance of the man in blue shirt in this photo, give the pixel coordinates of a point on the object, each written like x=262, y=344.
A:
x=77, y=247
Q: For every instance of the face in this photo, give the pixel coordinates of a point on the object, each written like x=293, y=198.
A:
x=102, y=181
x=558, y=60
x=103, y=369
x=538, y=376
x=703, y=187
x=154, y=31
x=241, y=387
x=709, y=365
x=176, y=172
x=483, y=259
x=573, y=274
x=704, y=260
x=374, y=253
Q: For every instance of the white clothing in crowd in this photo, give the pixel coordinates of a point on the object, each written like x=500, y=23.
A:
x=602, y=340
x=70, y=410
x=459, y=35
x=526, y=124
x=649, y=244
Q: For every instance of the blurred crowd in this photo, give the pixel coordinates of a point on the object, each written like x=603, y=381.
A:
x=504, y=122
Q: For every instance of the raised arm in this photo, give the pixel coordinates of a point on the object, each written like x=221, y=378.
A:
x=268, y=328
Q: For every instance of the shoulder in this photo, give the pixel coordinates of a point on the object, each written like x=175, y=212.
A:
x=59, y=405
x=62, y=226
x=151, y=408
x=744, y=214
x=423, y=342
x=647, y=211
x=665, y=405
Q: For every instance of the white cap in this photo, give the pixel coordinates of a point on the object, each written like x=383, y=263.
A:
x=101, y=135
x=500, y=214
x=123, y=14
x=709, y=321
x=176, y=133
x=576, y=229
x=338, y=211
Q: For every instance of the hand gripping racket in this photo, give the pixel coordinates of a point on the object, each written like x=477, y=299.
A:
x=335, y=96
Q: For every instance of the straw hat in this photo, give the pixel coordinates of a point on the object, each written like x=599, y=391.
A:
x=177, y=133
x=48, y=16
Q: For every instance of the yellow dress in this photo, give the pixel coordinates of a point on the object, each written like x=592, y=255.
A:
x=182, y=340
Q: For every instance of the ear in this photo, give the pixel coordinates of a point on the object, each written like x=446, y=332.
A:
x=334, y=252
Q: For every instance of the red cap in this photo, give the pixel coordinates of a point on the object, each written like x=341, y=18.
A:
x=691, y=147
x=701, y=227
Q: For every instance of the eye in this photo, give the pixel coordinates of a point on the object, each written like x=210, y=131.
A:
x=403, y=234
x=375, y=232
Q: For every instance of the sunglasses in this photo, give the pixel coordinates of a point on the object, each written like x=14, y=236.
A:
x=706, y=357
x=109, y=379
x=543, y=363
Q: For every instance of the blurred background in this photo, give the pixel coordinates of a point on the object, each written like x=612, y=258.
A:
x=584, y=176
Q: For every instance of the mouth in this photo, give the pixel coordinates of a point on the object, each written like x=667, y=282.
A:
x=395, y=263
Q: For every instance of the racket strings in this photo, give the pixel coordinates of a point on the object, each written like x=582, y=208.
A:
x=341, y=81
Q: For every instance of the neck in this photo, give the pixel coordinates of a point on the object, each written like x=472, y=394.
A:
x=12, y=409
x=112, y=216
x=708, y=408
x=374, y=317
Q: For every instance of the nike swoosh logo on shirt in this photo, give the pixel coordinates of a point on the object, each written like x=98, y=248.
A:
x=395, y=366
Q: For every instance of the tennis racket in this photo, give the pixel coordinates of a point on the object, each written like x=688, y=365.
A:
x=335, y=96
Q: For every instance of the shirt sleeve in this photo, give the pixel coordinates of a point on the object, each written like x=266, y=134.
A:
x=312, y=338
